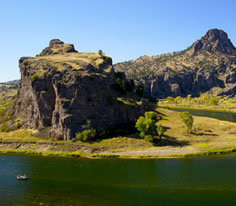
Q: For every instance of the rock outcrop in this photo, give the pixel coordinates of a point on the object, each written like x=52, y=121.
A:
x=214, y=40
x=56, y=46
x=208, y=66
x=70, y=92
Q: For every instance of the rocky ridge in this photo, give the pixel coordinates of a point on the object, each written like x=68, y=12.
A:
x=69, y=91
x=208, y=66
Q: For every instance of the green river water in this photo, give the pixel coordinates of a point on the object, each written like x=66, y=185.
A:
x=102, y=182
x=120, y=182
x=226, y=116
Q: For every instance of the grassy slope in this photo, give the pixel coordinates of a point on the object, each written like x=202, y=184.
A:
x=7, y=92
x=147, y=65
x=77, y=61
x=209, y=135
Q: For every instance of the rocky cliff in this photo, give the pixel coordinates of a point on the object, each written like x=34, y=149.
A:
x=208, y=66
x=70, y=91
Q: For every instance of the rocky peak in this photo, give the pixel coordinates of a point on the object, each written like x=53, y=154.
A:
x=214, y=40
x=56, y=46
x=54, y=42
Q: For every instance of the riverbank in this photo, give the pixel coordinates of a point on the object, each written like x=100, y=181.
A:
x=107, y=155
x=210, y=136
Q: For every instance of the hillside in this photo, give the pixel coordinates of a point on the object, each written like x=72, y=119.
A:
x=7, y=92
x=208, y=66
x=12, y=82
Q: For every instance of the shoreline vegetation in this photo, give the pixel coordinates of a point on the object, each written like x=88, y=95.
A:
x=189, y=107
x=204, y=103
x=209, y=137
x=107, y=155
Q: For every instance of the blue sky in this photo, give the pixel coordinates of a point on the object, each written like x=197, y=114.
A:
x=123, y=29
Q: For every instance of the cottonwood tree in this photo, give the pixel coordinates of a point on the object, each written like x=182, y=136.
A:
x=187, y=119
x=147, y=126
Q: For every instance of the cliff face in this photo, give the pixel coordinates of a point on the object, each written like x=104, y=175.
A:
x=208, y=66
x=70, y=92
x=214, y=40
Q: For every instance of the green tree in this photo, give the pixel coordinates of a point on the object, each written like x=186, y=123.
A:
x=171, y=99
x=178, y=99
x=100, y=52
x=189, y=98
x=214, y=100
x=187, y=119
x=160, y=130
x=86, y=135
x=147, y=126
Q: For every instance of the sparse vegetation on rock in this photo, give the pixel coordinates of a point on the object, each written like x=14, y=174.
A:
x=209, y=65
x=71, y=92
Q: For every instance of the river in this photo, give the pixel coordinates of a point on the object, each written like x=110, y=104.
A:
x=226, y=116
x=120, y=182
x=103, y=182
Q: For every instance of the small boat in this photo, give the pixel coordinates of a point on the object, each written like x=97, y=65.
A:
x=22, y=177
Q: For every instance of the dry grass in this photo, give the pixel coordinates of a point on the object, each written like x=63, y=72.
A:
x=60, y=62
x=209, y=135
x=8, y=93
x=117, y=144
x=21, y=135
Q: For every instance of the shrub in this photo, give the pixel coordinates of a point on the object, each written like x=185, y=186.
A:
x=5, y=128
x=147, y=126
x=86, y=135
x=18, y=123
x=34, y=78
x=100, y=52
x=170, y=99
x=120, y=82
x=187, y=119
x=123, y=101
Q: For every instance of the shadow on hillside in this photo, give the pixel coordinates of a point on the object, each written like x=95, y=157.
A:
x=199, y=132
x=161, y=114
x=204, y=134
x=170, y=141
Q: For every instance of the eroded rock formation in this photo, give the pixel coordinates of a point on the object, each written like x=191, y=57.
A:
x=70, y=92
